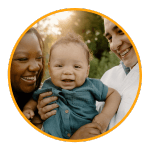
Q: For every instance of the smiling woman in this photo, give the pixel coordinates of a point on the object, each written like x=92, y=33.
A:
x=26, y=67
x=26, y=64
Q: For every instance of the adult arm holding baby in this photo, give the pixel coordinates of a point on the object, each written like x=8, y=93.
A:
x=71, y=74
x=44, y=111
x=112, y=102
x=99, y=123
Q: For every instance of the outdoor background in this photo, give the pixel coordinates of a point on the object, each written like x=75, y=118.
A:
x=90, y=26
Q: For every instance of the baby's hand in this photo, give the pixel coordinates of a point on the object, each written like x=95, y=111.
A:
x=103, y=120
x=29, y=113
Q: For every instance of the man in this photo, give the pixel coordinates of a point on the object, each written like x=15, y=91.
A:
x=125, y=77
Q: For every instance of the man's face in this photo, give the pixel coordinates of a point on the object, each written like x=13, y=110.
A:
x=120, y=44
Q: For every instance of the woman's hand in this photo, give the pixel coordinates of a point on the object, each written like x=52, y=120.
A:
x=45, y=111
x=87, y=131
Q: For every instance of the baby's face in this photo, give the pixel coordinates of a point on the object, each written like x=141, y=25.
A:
x=68, y=66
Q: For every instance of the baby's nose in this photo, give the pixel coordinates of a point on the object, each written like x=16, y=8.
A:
x=67, y=72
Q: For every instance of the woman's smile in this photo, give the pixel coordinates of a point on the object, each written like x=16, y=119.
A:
x=31, y=79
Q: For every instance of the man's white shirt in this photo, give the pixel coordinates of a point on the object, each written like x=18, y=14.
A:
x=126, y=85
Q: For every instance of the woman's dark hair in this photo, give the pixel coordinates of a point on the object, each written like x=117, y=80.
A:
x=34, y=31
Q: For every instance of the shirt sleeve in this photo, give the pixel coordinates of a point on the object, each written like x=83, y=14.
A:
x=44, y=88
x=100, y=90
x=103, y=90
x=36, y=94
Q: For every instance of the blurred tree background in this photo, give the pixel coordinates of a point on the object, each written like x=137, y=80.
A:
x=91, y=27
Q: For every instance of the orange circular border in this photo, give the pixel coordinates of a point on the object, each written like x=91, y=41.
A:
x=140, y=72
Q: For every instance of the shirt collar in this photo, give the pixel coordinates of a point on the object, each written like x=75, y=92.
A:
x=126, y=69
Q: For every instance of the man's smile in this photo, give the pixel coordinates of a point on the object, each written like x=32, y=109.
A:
x=124, y=52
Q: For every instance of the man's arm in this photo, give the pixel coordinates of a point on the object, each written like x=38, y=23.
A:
x=112, y=102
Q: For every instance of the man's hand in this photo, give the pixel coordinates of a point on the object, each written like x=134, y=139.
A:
x=87, y=131
x=103, y=120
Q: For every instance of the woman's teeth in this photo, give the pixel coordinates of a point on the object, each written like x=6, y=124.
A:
x=29, y=78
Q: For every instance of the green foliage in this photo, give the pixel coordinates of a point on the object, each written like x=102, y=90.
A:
x=99, y=67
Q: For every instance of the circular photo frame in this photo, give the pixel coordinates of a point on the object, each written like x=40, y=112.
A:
x=54, y=25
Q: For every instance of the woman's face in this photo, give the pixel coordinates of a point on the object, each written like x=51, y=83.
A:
x=120, y=44
x=26, y=64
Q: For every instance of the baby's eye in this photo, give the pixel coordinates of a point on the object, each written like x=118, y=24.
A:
x=58, y=65
x=77, y=66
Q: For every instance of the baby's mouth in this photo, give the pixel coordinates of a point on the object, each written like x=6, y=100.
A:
x=68, y=80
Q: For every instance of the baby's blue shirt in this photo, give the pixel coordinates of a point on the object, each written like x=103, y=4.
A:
x=76, y=106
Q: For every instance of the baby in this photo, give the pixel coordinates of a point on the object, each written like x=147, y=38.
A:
x=69, y=70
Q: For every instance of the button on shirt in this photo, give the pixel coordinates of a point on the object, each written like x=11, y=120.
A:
x=66, y=111
x=76, y=106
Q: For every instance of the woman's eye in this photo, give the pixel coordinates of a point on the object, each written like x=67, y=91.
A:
x=22, y=59
x=39, y=58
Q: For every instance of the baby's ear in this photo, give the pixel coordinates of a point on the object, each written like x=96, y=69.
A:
x=88, y=70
